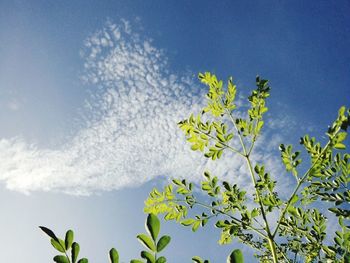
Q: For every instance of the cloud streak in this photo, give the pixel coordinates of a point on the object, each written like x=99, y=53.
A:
x=129, y=132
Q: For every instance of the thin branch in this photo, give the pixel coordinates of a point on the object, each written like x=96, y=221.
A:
x=225, y=144
x=224, y=213
x=301, y=181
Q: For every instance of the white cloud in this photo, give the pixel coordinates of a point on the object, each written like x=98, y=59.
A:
x=129, y=133
x=13, y=105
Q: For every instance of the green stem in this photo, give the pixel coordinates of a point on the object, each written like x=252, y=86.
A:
x=272, y=248
x=269, y=237
x=233, y=218
x=224, y=213
x=301, y=181
x=67, y=257
x=226, y=145
x=64, y=252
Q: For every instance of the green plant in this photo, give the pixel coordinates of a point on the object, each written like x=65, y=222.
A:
x=299, y=233
x=69, y=250
x=151, y=243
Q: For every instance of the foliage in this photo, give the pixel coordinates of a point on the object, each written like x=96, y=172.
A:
x=299, y=234
x=69, y=250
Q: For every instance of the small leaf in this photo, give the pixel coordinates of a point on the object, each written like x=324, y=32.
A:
x=235, y=257
x=196, y=226
x=136, y=261
x=197, y=259
x=294, y=199
x=60, y=259
x=161, y=260
x=75, y=251
x=59, y=246
x=255, y=212
x=341, y=136
x=114, y=256
x=339, y=146
x=147, y=242
x=187, y=222
x=83, y=260
x=68, y=241
x=163, y=242
x=49, y=232
x=153, y=226
x=146, y=255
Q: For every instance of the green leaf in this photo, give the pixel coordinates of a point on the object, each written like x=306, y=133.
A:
x=49, y=232
x=197, y=259
x=146, y=255
x=136, y=261
x=294, y=199
x=236, y=256
x=83, y=260
x=341, y=136
x=161, y=260
x=339, y=146
x=68, y=241
x=153, y=226
x=61, y=259
x=59, y=246
x=347, y=258
x=114, y=256
x=196, y=225
x=147, y=242
x=163, y=242
x=75, y=251
x=255, y=212
x=187, y=222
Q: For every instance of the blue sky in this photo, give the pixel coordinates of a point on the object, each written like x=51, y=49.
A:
x=85, y=117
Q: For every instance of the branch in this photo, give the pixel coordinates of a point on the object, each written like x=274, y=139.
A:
x=301, y=181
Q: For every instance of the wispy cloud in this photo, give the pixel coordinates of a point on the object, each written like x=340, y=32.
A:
x=129, y=131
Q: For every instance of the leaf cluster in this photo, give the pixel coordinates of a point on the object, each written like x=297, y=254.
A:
x=68, y=248
x=300, y=230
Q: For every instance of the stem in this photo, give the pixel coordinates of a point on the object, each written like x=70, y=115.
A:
x=67, y=256
x=301, y=181
x=250, y=167
x=65, y=252
x=252, y=145
x=233, y=218
x=272, y=249
x=269, y=237
x=226, y=145
x=224, y=213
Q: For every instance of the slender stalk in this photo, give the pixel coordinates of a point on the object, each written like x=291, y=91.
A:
x=252, y=145
x=233, y=218
x=250, y=167
x=269, y=237
x=301, y=181
x=223, y=213
x=225, y=144
x=273, y=249
x=66, y=255
x=65, y=252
